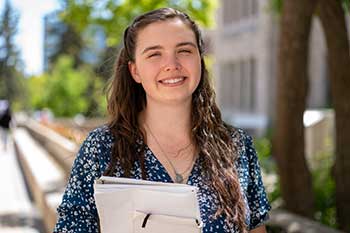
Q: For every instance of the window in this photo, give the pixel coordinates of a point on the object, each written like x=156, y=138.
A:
x=245, y=8
x=228, y=95
x=230, y=12
x=253, y=80
x=236, y=10
x=238, y=85
x=254, y=7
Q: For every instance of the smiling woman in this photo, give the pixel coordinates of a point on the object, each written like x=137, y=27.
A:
x=165, y=126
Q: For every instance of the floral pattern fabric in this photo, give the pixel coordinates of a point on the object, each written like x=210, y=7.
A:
x=77, y=211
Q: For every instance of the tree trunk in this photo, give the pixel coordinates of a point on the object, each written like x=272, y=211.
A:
x=292, y=82
x=332, y=17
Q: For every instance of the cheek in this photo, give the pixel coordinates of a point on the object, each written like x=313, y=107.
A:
x=191, y=63
x=148, y=69
x=196, y=68
x=145, y=72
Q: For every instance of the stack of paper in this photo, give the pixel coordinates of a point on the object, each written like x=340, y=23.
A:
x=137, y=206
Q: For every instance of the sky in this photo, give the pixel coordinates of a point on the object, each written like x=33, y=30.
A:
x=29, y=39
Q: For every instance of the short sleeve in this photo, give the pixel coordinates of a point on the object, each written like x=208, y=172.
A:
x=77, y=211
x=257, y=199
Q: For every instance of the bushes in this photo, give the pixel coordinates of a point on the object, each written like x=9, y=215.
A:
x=67, y=91
x=322, y=178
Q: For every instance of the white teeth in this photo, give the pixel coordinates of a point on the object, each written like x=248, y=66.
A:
x=172, y=81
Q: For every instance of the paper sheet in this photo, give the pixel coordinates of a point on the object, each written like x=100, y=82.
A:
x=118, y=199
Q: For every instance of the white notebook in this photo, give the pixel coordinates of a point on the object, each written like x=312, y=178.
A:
x=137, y=206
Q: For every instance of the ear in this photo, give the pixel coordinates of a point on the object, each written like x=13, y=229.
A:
x=133, y=72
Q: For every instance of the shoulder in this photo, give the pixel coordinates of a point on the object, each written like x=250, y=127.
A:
x=239, y=136
x=97, y=145
x=243, y=144
x=100, y=136
x=101, y=132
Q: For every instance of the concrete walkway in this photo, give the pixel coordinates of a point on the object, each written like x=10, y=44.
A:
x=17, y=213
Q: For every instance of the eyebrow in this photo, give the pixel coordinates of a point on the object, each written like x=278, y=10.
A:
x=155, y=47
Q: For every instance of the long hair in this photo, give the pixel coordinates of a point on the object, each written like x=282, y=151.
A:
x=126, y=99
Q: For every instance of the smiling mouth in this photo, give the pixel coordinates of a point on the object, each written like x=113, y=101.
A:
x=173, y=80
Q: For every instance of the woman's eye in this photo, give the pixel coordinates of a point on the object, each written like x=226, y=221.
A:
x=185, y=51
x=153, y=55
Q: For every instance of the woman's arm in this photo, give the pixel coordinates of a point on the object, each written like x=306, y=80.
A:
x=260, y=229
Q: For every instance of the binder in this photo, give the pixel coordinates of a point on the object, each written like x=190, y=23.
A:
x=127, y=205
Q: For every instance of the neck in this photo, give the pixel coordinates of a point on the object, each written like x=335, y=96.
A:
x=169, y=121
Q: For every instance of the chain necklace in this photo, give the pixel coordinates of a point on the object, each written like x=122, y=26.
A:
x=179, y=178
x=176, y=154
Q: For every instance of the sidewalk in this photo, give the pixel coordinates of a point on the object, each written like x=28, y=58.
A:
x=17, y=213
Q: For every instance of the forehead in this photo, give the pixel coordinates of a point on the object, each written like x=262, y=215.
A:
x=164, y=33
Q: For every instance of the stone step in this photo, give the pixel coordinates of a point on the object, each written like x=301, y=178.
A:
x=61, y=149
x=46, y=179
x=18, y=230
x=17, y=212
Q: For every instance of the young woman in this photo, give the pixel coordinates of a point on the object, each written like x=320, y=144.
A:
x=165, y=126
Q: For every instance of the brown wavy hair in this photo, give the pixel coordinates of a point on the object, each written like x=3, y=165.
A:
x=126, y=99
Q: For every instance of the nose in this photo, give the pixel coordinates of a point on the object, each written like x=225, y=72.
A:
x=172, y=63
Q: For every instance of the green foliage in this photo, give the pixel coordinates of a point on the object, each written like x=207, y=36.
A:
x=322, y=179
x=346, y=5
x=9, y=56
x=114, y=16
x=38, y=92
x=20, y=102
x=100, y=98
x=263, y=147
x=95, y=96
x=64, y=89
x=70, y=44
x=276, y=6
x=324, y=187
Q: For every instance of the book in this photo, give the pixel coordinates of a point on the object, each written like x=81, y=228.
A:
x=127, y=205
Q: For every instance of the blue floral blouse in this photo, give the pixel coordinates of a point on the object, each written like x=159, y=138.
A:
x=78, y=213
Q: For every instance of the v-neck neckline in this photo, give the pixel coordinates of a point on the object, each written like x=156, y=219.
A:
x=165, y=171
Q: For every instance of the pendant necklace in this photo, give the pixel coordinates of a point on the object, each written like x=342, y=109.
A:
x=179, y=177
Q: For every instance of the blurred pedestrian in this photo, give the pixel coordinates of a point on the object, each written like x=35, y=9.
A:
x=5, y=121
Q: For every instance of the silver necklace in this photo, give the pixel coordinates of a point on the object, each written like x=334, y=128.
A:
x=176, y=154
x=179, y=178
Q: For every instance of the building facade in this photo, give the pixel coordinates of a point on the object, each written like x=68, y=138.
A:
x=245, y=46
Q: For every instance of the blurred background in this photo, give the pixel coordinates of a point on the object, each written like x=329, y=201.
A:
x=281, y=70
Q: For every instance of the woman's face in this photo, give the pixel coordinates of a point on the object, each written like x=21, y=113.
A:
x=167, y=62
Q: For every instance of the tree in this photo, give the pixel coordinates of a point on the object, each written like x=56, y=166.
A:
x=70, y=43
x=65, y=87
x=292, y=85
x=332, y=15
x=66, y=90
x=8, y=53
x=114, y=16
x=333, y=21
x=37, y=90
x=61, y=39
x=105, y=67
